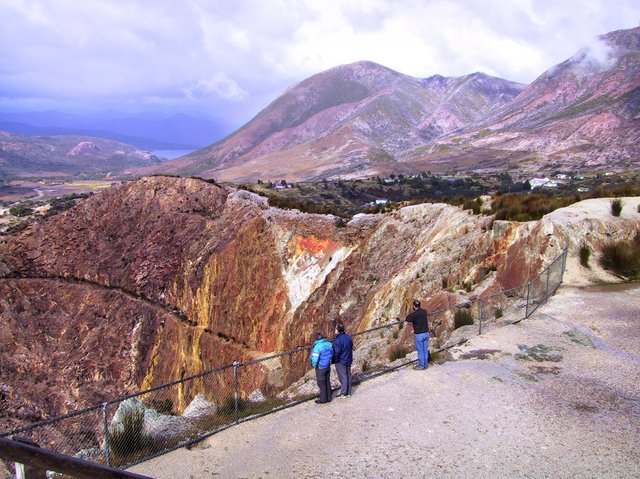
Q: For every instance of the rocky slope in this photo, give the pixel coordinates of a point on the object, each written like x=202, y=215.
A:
x=161, y=278
x=56, y=156
x=364, y=119
x=581, y=114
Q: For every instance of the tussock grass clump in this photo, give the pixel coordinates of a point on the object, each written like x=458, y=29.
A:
x=462, y=317
x=623, y=258
x=498, y=313
x=125, y=441
x=585, y=254
x=616, y=206
x=398, y=351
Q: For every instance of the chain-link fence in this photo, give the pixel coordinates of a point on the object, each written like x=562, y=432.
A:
x=132, y=429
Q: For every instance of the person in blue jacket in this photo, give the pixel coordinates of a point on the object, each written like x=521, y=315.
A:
x=343, y=357
x=321, y=357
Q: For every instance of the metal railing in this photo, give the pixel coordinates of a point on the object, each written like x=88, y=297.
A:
x=135, y=428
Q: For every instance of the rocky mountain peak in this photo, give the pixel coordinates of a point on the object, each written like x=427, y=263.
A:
x=84, y=147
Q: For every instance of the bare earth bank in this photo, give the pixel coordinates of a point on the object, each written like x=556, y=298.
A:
x=555, y=396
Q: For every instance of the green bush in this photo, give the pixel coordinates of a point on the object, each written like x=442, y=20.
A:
x=21, y=210
x=462, y=317
x=623, y=258
x=585, y=254
x=229, y=404
x=616, y=207
x=498, y=313
x=398, y=351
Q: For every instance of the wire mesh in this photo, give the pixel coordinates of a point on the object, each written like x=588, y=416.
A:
x=135, y=428
x=502, y=308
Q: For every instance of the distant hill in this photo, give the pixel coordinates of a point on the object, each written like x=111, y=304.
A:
x=364, y=119
x=59, y=156
x=146, y=131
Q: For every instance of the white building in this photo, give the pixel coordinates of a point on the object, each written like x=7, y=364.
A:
x=537, y=182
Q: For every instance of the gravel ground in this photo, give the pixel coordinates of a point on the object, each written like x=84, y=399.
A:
x=554, y=396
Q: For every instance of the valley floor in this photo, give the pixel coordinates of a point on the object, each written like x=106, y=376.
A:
x=553, y=396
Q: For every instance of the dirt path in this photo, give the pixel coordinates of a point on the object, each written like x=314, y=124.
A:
x=555, y=396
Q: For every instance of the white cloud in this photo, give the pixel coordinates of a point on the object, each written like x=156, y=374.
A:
x=220, y=85
x=234, y=57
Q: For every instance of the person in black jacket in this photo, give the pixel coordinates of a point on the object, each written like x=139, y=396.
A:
x=418, y=318
x=343, y=357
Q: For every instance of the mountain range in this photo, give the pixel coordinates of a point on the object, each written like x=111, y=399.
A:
x=147, y=131
x=364, y=119
x=63, y=156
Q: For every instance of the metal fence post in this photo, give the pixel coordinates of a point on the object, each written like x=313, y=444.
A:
x=480, y=316
x=546, y=289
x=107, y=455
x=236, y=364
x=526, y=312
x=564, y=263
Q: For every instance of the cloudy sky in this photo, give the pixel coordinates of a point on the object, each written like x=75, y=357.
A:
x=229, y=59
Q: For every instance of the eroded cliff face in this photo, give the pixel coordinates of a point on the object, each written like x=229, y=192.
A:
x=165, y=277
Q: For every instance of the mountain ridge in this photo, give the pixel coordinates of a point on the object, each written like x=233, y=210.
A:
x=364, y=119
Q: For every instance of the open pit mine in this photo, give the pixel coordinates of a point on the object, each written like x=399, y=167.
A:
x=157, y=279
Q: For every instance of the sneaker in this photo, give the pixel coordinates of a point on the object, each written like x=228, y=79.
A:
x=321, y=402
x=344, y=396
x=418, y=367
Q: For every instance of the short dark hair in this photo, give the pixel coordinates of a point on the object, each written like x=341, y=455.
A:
x=319, y=336
x=340, y=327
x=416, y=304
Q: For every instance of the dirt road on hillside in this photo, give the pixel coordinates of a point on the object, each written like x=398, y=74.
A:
x=555, y=396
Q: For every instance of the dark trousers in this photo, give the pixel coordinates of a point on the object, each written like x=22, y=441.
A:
x=323, y=376
x=344, y=375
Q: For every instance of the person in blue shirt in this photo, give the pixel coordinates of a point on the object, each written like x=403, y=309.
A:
x=343, y=357
x=321, y=357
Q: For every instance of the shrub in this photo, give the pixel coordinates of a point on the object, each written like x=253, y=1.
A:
x=585, y=253
x=498, y=313
x=130, y=438
x=623, y=258
x=21, y=210
x=365, y=366
x=437, y=357
x=616, y=207
x=398, y=351
x=229, y=404
x=462, y=317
